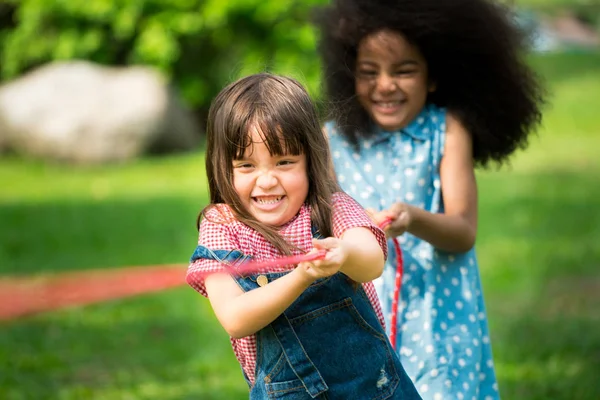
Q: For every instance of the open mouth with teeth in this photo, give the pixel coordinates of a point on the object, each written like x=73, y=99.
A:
x=389, y=104
x=388, y=107
x=266, y=200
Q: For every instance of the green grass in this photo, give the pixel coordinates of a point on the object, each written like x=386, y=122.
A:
x=539, y=254
x=164, y=346
x=137, y=214
x=537, y=244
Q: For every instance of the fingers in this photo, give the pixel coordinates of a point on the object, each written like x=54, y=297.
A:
x=399, y=225
x=329, y=245
x=397, y=208
x=318, y=269
x=403, y=217
x=381, y=217
x=325, y=244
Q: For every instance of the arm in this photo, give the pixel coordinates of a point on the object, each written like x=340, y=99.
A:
x=240, y=313
x=364, y=258
x=456, y=228
x=244, y=313
x=358, y=254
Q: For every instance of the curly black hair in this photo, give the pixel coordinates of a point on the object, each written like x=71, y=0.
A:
x=475, y=55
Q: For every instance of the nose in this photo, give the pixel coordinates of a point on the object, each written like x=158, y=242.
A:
x=266, y=180
x=386, y=83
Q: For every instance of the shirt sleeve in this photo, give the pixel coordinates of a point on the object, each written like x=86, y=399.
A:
x=214, y=234
x=347, y=213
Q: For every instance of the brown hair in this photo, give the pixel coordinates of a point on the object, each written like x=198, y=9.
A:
x=289, y=123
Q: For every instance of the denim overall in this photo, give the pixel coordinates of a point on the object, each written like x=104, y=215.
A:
x=328, y=344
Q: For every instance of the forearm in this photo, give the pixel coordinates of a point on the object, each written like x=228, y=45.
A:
x=251, y=311
x=453, y=233
x=365, y=258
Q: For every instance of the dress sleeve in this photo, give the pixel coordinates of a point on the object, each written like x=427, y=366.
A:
x=215, y=234
x=347, y=213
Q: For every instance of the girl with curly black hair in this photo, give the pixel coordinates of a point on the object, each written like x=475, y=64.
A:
x=424, y=91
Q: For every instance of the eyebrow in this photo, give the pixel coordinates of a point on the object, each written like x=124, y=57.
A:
x=400, y=64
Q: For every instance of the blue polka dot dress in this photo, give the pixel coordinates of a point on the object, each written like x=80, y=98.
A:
x=443, y=338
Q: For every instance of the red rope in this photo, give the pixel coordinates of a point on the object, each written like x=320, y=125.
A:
x=397, y=289
x=28, y=296
x=256, y=266
x=397, y=285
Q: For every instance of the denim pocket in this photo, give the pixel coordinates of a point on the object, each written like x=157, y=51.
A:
x=281, y=383
x=289, y=390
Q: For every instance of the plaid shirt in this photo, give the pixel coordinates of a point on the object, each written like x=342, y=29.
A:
x=220, y=230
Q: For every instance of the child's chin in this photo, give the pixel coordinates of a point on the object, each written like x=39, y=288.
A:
x=390, y=124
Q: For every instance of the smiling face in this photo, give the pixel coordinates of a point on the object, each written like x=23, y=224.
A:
x=391, y=79
x=272, y=188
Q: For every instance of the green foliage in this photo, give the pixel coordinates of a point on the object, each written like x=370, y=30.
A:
x=198, y=44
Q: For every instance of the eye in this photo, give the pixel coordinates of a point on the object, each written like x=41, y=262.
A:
x=404, y=72
x=366, y=73
x=287, y=162
x=242, y=165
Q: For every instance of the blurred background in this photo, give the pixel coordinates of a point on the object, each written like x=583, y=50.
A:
x=102, y=110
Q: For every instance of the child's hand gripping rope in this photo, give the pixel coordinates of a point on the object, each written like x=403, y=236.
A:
x=334, y=257
x=325, y=260
x=250, y=267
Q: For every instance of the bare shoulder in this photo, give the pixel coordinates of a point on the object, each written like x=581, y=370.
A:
x=454, y=126
x=458, y=138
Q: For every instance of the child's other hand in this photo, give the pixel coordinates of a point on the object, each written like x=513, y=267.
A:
x=336, y=256
x=378, y=217
x=398, y=213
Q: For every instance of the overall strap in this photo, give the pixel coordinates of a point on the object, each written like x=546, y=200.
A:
x=227, y=257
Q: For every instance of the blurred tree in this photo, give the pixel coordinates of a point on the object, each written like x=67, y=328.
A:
x=199, y=45
x=586, y=10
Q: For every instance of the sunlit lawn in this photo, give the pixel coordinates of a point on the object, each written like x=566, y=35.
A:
x=538, y=248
